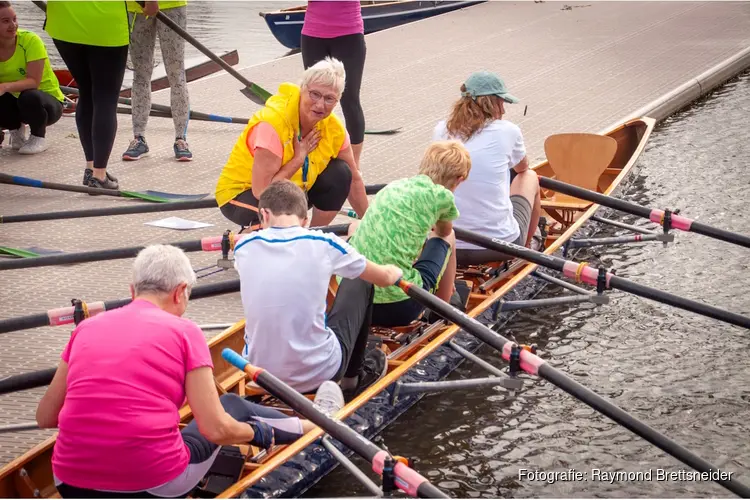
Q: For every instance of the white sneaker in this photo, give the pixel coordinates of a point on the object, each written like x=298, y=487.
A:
x=33, y=146
x=18, y=138
x=329, y=399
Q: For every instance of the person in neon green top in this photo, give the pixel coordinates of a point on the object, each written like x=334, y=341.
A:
x=92, y=38
x=146, y=28
x=398, y=221
x=29, y=91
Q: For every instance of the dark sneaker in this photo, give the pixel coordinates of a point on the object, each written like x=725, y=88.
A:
x=88, y=174
x=181, y=151
x=109, y=183
x=374, y=368
x=137, y=149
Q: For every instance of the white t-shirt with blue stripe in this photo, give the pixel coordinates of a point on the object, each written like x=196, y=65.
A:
x=284, y=277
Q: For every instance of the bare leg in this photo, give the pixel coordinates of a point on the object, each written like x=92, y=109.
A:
x=526, y=184
x=352, y=228
x=357, y=150
x=447, y=282
x=322, y=218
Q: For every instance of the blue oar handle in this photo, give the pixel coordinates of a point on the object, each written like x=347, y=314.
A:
x=234, y=359
x=25, y=181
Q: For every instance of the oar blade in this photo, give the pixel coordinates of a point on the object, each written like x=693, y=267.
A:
x=388, y=131
x=256, y=94
x=162, y=197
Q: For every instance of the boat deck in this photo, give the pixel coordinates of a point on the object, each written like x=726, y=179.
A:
x=578, y=67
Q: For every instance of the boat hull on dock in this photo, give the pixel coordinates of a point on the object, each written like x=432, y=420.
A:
x=286, y=24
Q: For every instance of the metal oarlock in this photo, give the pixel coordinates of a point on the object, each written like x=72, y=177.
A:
x=666, y=223
x=226, y=245
x=499, y=378
x=79, y=314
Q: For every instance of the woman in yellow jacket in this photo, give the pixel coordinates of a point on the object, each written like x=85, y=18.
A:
x=92, y=38
x=295, y=136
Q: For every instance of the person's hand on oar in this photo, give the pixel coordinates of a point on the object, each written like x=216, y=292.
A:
x=151, y=8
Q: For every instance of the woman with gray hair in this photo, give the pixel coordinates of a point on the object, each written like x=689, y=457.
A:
x=118, y=390
x=295, y=136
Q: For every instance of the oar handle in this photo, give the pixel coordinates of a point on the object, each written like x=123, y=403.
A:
x=407, y=479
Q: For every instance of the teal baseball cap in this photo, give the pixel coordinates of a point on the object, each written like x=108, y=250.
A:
x=486, y=83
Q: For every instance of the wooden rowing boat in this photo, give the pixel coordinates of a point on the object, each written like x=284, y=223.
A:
x=420, y=352
x=286, y=24
x=194, y=71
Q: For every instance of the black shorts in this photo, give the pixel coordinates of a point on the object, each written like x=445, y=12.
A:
x=329, y=193
x=431, y=265
x=522, y=214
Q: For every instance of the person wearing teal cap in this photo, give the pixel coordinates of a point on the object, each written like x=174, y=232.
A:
x=488, y=202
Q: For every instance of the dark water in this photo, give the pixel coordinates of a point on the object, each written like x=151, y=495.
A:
x=684, y=375
x=220, y=26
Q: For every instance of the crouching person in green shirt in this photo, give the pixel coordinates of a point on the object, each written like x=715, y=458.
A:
x=408, y=224
x=29, y=91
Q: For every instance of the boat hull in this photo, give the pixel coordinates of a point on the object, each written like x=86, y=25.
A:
x=294, y=469
x=286, y=25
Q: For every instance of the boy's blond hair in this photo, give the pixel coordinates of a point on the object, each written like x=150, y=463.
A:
x=445, y=161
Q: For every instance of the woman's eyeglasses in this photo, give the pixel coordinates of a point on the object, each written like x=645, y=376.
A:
x=316, y=96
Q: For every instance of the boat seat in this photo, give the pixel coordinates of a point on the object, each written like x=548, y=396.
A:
x=579, y=159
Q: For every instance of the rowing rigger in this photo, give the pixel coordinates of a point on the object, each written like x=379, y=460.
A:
x=666, y=218
x=600, y=277
x=407, y=479
x=534, y=365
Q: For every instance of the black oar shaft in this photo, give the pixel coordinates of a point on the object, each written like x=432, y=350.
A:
x=64, y=315
x=26, y=381
x=93, y=256
x=589, y=275
x=334, y=428
x=140, y=208
x=537, y=366
x=25, y=181
x=257, y=91
x=208, y=244
x=374, y=188
x=678, y=222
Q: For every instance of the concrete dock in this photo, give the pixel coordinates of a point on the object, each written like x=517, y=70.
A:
x=579, y=67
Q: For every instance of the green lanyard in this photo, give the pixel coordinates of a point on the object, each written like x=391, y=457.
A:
x=306, y=164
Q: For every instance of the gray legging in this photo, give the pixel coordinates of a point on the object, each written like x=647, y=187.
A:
x=202, y=451
x=142, y=44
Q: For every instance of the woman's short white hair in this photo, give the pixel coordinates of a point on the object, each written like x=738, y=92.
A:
x=328, y=72
x=161, y=269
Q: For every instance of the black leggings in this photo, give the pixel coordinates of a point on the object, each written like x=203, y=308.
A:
x=98, y=72
x=329, y=193
x=350, y=50
x=36, y=108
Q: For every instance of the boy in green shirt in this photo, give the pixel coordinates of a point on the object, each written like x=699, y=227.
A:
x=399, y=220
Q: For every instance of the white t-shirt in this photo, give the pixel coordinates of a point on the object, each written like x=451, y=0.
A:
x=284, y=277
x=483, y=200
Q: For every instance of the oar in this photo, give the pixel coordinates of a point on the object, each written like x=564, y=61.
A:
x=139, y=208
x=534, y=365
x=207, y=244
x=653, y=214
x=194, y=115
x=155, y=196
x=407, y=479
x=27, y=380
x=583, y=273
x=66, y=315
x=26, y=426
x=252, y=91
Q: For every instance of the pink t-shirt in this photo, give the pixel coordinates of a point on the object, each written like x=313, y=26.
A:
x=118, y=427
x=263, y=135
x=325, y=19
